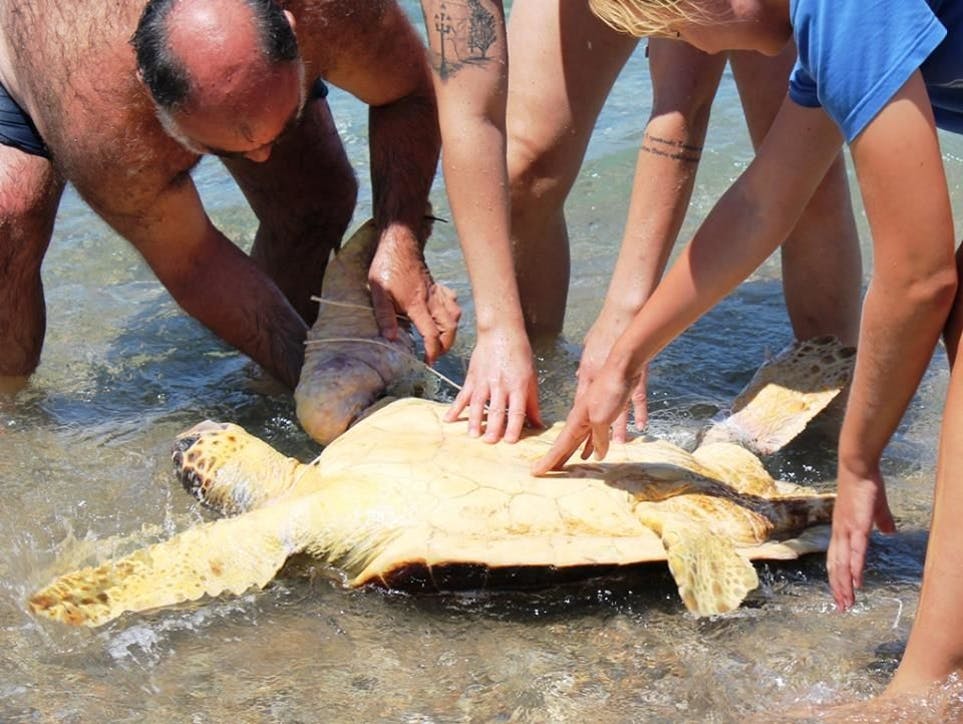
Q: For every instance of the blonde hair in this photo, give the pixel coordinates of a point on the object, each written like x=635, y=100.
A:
x=643, y=17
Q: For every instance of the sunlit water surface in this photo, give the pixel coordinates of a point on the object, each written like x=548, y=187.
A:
x=85, y=472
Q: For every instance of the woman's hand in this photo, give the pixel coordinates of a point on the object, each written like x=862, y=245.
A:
x=500, y=388
x=860, y=503
x=590, y=420
x=598, y=343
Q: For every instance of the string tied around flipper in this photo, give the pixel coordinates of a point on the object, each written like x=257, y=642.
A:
x=376, y=342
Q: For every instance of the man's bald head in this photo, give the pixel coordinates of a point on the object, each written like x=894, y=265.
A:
x=190, y=47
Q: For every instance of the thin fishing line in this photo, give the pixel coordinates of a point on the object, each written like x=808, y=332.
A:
x=350, y=305
x=386, y=345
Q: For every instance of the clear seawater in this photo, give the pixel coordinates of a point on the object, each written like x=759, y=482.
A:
x=84, y=470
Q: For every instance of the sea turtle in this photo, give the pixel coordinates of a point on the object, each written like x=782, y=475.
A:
x=406, y=501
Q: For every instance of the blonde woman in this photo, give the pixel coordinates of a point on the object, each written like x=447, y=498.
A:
x=883, y=93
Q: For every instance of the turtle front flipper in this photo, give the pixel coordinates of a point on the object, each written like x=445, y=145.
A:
x=230, y=470
x=348, y=365
x=229, y=555
x=712, y=577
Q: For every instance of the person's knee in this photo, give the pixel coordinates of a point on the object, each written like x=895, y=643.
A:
x=29, y=189
x=538, y=180
x=25, y=228
x=26, y=223
x=333, y=201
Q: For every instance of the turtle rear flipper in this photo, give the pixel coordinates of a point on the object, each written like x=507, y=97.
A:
x=229, y=555
x=785, y=394
x=712, y=577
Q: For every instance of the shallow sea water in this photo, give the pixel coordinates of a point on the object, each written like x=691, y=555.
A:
x=85, y=472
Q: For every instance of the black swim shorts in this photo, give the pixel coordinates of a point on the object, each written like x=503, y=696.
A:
x=318, y=90
x=16, y=128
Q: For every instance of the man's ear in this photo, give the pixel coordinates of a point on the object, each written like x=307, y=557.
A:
x=291, y=21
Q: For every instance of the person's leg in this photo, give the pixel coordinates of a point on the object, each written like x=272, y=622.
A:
x=935, y=646
x=563, y=64
x=303, y=196
x=30, y=191
x=953, y=330
x=821, y=264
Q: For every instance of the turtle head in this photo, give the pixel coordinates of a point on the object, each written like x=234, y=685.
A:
x=194, y=463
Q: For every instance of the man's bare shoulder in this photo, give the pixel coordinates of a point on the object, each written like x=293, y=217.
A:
x=52, y=38
x=365, y=46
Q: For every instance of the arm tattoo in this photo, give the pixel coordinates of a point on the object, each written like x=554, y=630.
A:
x=676, y=150
x=464, y=31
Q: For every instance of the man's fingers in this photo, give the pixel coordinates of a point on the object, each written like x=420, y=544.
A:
x=425, y=324
x=384, y=311
x=444, y=310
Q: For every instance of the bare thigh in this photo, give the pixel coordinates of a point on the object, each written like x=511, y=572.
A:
x=563, y=64
x=30, y=191
x=303, y=196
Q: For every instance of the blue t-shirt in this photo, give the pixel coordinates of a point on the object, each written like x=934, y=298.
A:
x=855, y=54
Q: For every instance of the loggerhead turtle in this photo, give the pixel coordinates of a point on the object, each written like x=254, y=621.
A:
x=405, y=501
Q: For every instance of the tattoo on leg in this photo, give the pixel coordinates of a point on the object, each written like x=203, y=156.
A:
x=465, y=33
x=676, y=150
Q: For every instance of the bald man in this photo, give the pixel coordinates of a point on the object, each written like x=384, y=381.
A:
x=122, y=100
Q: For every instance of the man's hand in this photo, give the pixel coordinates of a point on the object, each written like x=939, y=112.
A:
x=501, y=383
x=860, y=502
x=598, y=342
x=590, y=420
x=401, y=284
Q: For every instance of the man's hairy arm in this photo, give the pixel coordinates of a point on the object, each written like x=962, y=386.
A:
x=208, y=276
x=381, y=61
x=379, y=58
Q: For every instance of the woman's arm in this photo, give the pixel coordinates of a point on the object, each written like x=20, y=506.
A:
x=468, y=54
x=900, y=171
x=684, y=82
x=746, y=226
